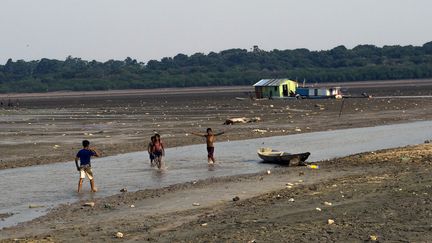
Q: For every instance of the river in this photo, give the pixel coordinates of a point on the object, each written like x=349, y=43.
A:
x=53, y=184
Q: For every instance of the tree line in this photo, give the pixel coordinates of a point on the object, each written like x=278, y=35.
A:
x=228, y=67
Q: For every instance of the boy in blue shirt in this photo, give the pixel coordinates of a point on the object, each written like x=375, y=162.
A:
x=84, y=168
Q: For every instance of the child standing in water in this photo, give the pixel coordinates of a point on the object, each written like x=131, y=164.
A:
x=84, y=168
x=158, y=151
x=150, y=150
x=210, y=139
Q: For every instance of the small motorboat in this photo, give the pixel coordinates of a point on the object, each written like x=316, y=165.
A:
x=269, y=155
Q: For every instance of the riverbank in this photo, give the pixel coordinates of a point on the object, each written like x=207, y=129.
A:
x=43, y=130
x=383, y=194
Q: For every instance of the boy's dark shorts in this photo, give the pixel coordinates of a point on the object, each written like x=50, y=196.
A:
x=152, y=156
x=210, y=151
x=157, y=153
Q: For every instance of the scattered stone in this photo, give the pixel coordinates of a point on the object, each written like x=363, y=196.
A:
x=328, y=203
x=195, y=204
x=204, y=224
x=236, y=198
x=318, y=209
x=291, y=200
x=268, y=172
x=89, y=204
x=313, y=187
x=123, y=190
x=106, y=205
x=330, y=221
x=297, y=130
x=259, y=131
x=132, y=206
x=119, y=235
x=278, y=196
x=373, y=237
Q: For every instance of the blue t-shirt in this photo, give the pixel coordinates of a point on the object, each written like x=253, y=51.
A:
x=84, y=156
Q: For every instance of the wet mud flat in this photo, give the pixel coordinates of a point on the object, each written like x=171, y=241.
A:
x=46, y=129
x=382, y=195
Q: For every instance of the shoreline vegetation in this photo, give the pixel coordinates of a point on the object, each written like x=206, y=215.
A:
x=226, y=68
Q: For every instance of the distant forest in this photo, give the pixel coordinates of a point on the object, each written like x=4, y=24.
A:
x=229, y=67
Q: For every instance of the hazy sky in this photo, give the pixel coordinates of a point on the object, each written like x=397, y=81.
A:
x=152, y=29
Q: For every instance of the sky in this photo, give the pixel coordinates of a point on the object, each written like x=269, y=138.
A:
x=151, y=29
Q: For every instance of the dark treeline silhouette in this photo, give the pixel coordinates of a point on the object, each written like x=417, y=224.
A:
x=229, y=67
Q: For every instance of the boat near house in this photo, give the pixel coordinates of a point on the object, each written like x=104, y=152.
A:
x=286, y=88
x=319, y=92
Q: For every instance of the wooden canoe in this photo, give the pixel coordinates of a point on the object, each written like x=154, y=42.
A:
x=269, y=155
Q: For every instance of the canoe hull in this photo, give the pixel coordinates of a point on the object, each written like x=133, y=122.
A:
x=278, y=157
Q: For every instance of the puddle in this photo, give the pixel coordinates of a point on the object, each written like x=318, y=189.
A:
x=53, y=184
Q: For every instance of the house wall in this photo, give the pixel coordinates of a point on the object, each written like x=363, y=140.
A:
x=275, y=91
x=291, y=85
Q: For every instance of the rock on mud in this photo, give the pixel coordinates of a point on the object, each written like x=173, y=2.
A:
x=119, y=235
x=89, y=204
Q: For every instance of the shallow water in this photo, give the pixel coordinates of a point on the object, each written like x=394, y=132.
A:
x=53, y=184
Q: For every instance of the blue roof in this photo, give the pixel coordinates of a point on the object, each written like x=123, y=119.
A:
x=271, y=82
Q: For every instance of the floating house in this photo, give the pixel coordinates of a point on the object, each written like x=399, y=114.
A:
x=275, y=88
x=316, y=92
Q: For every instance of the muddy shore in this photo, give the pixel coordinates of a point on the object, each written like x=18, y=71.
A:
x=384, y=194
x=47, y=129
x=375, y=196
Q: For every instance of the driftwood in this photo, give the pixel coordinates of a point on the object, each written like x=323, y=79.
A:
x=232, y=121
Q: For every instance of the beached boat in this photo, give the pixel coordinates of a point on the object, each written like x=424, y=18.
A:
x=269, y=155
